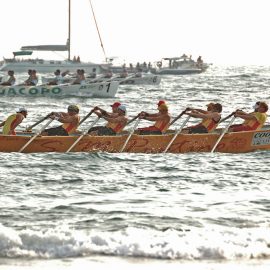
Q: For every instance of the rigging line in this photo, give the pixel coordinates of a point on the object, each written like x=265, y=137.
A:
x=98, y=30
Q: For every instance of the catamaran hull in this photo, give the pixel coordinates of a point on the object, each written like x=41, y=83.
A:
x=104, y=90
x=238, y=142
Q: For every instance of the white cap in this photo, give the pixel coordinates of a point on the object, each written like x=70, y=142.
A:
x=122, y=108
x=21, y=110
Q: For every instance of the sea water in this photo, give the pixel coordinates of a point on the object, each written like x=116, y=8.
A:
x=136, y=211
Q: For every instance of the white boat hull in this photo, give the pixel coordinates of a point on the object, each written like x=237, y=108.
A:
x=49, y=66
x=104, y=90
x=144, y=80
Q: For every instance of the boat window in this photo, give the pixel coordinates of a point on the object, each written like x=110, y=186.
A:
x=51, y=62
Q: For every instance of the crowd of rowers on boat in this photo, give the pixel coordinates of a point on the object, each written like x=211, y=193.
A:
x=117, y=120
x=61, y=77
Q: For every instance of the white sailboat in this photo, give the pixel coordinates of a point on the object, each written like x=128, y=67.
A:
x=44, y=66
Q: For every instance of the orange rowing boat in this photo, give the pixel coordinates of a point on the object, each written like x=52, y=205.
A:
x=237, y=142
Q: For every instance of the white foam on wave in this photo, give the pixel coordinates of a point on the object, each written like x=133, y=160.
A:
x=196, y=244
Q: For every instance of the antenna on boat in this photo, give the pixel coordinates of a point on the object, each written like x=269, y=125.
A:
x=69, y=27
x=98, y=30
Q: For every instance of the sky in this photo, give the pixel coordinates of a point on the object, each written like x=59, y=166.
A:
x=233, y=32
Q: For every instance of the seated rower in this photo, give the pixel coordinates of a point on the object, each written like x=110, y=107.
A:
x=124, y=73
x=253, y=121
x=114, y=112
x=93, y=74
x=11, y=80
x=210, y=119
x=108, y=74
x=58, y=79
x=80, y=78
x=32, y=79
x=138, y=74
x=70, y=122
x=116, y=123
x=13, y=121
x=161, y=119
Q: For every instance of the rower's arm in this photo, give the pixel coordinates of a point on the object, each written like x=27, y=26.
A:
x=246, y=116
x=2, y=124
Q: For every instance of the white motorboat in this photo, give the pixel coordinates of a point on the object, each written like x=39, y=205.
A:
x=179, y=66
x=100, y=89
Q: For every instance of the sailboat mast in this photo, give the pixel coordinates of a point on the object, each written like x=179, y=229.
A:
x=69, y=27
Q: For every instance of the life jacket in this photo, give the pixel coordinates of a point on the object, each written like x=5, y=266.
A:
x=9, y=124
x=71, y=127
x=258, y=123
x=162, y=125
x=116, y=127
x=209, y=123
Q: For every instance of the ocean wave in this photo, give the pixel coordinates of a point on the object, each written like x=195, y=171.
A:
x=195, y=244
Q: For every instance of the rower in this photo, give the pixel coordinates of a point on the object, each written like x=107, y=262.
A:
x=11, y=80
x=161, y=119
x=13, y=121
x=116, y=122
x=32, y=79
x=58, y=79
x=70, y=122
x=210, y=119
x=253, y=121
x=80, y=78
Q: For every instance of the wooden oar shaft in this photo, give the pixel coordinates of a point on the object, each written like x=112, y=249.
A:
x=81, y=136
x=37, y=134
x=86, y=117
x=177, y=117
x=130, y=134
x=176, y=134
x=133, y=119
x=37, y=123
x=227, y=117
x=222, y=135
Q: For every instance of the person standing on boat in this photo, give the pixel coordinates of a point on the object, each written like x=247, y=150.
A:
x=70, y=122
x=161, y=119
x=13, y=121
x=199, y=62
x=210, y=119
x=116, y=122
x=11, y=80
x=253, y=121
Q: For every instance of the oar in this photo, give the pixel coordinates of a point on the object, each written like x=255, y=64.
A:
x=86, y=117
x=37, y=134
x=133, y=119
x=176, y=134
x=222, y=134
x=130, y=134
x=37, y=123
x=127, y=78
x=177, y=117
x=227, y=117
x=83, y=134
